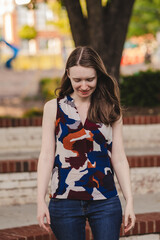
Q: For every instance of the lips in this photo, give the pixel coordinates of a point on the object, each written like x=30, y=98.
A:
x=84, y=92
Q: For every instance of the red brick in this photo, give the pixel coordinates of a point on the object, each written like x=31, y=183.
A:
x=136, y=229
x=158, y=161
x=24, y=122
x=125, y=120
x=12, y=166
x=158, y=119
x=129, y=233
x=150, y=227
x=19, y=166
x=140, y=161
x=45, y=236
x=148, y=161
x=137, y=119
x=149, y=119
x=52, y=237
x=33, y=166
x=157, y=226
x=4, y=167
x=39, y=237
x=131, y=120
x=3, y=122
x=5, y=236
x=1, y=167
x=154, y=162
x=7, y=122
x=143, y=227
x=142, y=120
x=137, y=161
x=154, y=119
x=36, y=121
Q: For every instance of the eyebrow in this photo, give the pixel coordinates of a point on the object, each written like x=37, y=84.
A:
x=84, y=78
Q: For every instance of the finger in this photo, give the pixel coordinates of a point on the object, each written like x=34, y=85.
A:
x=126, y=220
x=131, y=224
x=127, y=228
x=45, y=227
x=48, y=217
x=133, y=221
x=41, y=221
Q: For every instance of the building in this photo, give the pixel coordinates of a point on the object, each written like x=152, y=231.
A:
x=14, y=15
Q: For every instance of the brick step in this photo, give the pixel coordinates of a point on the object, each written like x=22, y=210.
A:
x=37, y=121
x=147, y=223
x=30, y=165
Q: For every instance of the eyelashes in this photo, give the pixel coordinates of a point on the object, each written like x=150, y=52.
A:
x=88, y=80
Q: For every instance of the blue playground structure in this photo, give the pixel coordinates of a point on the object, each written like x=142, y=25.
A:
x=15, y=52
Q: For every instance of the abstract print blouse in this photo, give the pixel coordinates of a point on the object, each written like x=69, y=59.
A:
x=82, y=169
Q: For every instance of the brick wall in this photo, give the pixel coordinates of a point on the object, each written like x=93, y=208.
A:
x=30, y=165
x=37, y=121
x=146, y=227
x=26, y=141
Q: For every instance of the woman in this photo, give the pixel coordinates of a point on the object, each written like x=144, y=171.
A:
x=82, y=145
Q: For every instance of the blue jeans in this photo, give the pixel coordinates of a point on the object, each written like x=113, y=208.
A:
x=68, y=218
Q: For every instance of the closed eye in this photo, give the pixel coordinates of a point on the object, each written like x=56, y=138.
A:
x=90, y=79
x=76, y=79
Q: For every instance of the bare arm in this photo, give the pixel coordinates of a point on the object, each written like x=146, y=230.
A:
x=46, y=160
x=121, y=168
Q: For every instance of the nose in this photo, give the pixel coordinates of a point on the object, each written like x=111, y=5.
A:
x=84, y=85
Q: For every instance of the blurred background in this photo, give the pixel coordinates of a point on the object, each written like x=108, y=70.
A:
x=36, y=38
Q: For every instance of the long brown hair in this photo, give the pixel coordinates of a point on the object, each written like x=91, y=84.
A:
x=105, y=100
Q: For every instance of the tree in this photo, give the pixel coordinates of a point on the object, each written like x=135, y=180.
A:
x=27, y=32
x=101, y=24
x=104, y=27
x=145, y=18
x=60, y=21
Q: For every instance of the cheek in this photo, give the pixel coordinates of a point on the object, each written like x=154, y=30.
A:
x=75, y=85
x=94, y=84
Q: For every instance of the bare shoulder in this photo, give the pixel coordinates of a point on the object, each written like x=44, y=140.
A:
x=117, y=123
x=50, y=108
x=51, y=104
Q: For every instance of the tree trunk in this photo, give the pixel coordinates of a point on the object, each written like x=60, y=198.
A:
x=78, y=22
x=104, y=29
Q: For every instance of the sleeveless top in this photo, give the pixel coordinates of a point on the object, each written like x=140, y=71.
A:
x=82, y=169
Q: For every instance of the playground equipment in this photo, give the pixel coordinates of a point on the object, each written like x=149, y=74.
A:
x=15, y=52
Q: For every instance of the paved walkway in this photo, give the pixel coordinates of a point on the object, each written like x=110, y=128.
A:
x=23, y=215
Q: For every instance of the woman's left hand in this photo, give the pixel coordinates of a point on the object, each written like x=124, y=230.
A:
x=129, y=217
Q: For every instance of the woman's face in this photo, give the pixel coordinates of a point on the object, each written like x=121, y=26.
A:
x=83, y=80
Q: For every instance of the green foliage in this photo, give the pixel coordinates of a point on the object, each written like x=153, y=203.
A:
x=48, y=86
x=142, y=89
x=145, y=18
x=33, y=112
x=61, y=21
x=27, y=32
